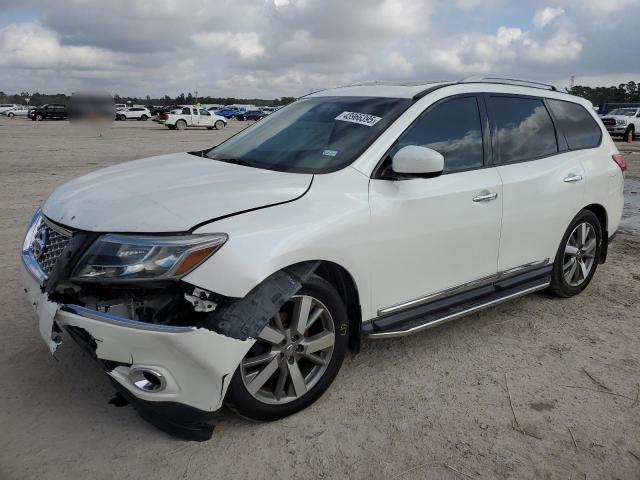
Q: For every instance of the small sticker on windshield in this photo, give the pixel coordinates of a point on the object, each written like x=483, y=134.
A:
x=360, y=118
x=330, y=153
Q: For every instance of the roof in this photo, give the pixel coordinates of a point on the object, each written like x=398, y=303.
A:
x=417, y=90
x=379, y=89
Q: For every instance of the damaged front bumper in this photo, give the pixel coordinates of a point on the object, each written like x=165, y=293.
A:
x=176, y=376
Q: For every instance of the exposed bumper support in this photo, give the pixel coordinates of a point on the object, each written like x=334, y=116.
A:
x=197, y=364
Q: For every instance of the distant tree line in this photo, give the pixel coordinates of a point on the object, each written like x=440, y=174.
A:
x=188, y=99
x=623, y=93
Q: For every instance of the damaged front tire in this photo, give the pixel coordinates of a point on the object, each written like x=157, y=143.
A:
x=296, y=356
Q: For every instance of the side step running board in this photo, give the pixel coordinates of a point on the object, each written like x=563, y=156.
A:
x=376, y=329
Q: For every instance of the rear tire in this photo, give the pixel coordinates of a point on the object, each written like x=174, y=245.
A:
x=578, y=255
x=293, y=375
x=181, y=124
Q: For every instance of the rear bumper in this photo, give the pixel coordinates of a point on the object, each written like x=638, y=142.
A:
x=196, y=364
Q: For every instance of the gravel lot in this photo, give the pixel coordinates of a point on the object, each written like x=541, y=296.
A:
x=433, y=405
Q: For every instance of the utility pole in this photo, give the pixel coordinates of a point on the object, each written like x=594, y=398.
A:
x=573, y=81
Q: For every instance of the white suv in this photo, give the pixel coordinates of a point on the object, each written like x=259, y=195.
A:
x=243, y=273
x=138, y=113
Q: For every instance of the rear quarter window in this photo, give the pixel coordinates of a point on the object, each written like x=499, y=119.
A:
x=578, y=126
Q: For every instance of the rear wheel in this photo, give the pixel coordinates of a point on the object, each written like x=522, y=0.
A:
x=219, y=125
x=295, y=358
x=577, y=257
x=181, y=124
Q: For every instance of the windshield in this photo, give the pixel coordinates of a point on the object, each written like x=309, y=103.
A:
x=312, y=135
x=626, y=112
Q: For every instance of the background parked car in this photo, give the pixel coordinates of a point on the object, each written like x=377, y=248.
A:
x=228, y=112
x=192, y=117
x=251, y=115
x=7, y=106
x=139, y=113
x=51, y=111
x=20, y=111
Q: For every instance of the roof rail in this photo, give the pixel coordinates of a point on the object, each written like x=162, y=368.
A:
x=510, y=81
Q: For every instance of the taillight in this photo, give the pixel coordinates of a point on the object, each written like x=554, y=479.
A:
x=619, y=159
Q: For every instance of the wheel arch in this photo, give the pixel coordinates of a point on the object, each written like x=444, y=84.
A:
x=601, y=212
x=346, y=286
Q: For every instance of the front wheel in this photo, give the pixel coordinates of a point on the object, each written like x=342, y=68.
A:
x=10, y=115
x=219, y=125
x=295, y=358
x=39, y=117
x=577, y=257
x=144, y=118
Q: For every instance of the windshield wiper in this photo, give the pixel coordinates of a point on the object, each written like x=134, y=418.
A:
x=235, y=161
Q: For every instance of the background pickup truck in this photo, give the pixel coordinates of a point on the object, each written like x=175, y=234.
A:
x=192, y=117
x=623, y=121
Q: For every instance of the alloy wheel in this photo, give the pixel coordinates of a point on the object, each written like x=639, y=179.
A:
x=579, y=254
x=292, y=352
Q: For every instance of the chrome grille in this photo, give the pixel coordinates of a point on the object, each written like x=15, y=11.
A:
x=48, y=244
x=609, y=121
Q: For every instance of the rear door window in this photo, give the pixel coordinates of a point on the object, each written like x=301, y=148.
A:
x=578, y=126
x=524, y=129
x=452, y=128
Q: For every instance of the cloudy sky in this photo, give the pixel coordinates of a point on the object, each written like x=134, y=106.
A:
x=272, y=48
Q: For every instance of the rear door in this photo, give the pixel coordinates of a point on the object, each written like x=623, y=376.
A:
x=435, y=234
x=543, y=183
x=195, y=117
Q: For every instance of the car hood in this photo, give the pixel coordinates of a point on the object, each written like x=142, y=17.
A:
x=617, y=117
x=169, y=193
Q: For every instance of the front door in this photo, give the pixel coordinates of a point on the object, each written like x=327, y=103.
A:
x=438, y=233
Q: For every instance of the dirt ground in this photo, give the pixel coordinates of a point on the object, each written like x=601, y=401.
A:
x=433, y=405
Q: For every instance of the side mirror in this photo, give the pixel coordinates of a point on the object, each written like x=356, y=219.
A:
x=418, y=161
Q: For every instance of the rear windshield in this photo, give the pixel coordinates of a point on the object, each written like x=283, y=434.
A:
x=312, y=135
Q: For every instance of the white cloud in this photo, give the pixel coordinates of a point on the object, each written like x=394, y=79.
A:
x=544, y=17
x=31, y=46
x=245, y=44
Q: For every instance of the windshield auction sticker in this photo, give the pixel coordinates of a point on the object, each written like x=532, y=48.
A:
x=360, y=118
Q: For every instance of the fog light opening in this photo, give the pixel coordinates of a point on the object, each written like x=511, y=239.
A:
x=148, y=380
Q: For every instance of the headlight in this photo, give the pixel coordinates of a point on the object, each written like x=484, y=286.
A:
x=621, y=121
x=113, y=258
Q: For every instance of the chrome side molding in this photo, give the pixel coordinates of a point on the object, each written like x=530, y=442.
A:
x=465, y=286
x=453, y=316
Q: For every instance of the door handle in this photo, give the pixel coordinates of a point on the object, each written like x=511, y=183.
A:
x=485, y=197
x=572, y=178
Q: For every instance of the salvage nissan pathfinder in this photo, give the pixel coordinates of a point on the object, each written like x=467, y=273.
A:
x=244, y=273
